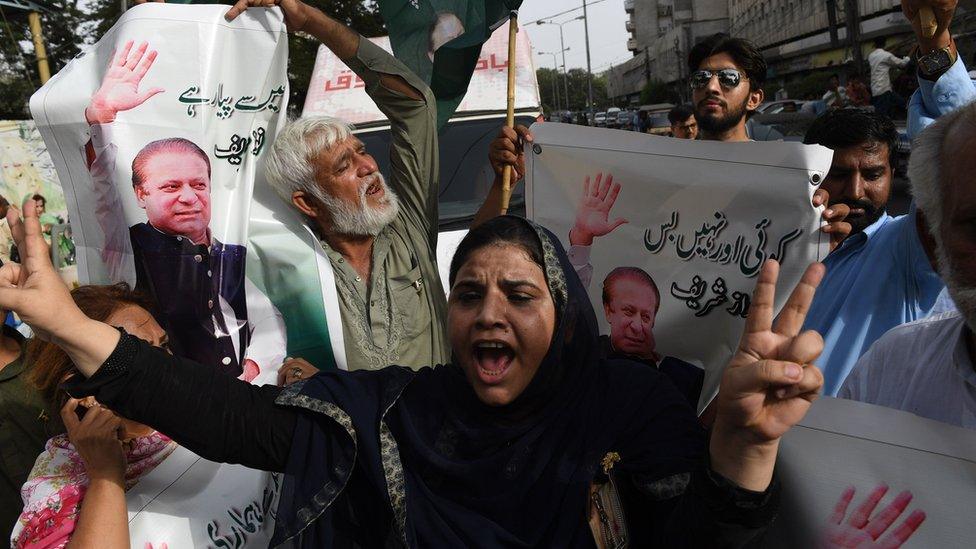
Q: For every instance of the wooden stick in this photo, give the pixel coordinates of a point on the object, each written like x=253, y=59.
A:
x=510, y=118
x=927, y=21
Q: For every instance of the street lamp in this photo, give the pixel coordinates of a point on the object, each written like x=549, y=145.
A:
x=555, y=86
x=562, y=45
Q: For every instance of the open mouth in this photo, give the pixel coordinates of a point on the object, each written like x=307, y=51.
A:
x=373, y=188
x=493, y=359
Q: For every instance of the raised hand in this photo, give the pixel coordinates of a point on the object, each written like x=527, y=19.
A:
x=860, y=530
x=120, y=85
x=507, y=150
x=593, y=215
x=770, y=383
x=33, y=289
x=943, y=11
x=295, y=14
x=96, y=437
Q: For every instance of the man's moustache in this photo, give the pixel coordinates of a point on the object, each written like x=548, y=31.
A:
x=865, y=205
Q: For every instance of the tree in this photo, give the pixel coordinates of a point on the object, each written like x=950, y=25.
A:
x=18, y=64
x=548, y=78
x=656, y=91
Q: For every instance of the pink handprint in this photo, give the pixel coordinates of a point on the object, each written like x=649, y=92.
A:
x=860, y=530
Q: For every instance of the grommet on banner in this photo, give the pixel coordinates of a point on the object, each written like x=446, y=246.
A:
x=815, y=179
x=537, y=148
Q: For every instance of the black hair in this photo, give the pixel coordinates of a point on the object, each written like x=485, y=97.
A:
x=498, y=230
x=835, y=75
x=880, y=41
x=849, y=127
x=39, y=197
x=743, y=52
x=680, y=113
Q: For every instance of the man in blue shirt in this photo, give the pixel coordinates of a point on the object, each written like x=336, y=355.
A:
x=881, y=275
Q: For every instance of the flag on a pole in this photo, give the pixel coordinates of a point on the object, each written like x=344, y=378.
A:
x=440, y=41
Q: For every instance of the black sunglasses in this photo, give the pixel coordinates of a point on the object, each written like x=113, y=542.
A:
x=727, y=78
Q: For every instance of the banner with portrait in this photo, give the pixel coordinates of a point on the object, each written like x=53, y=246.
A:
x=158, y=133
x=859, y=475
x=670, y=234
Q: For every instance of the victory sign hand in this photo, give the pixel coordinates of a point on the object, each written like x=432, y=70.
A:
x=770, y=383
x=593, y=215
x=34, y=290
x=120, y=85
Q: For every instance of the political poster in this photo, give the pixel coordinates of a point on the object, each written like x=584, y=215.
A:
x=26, y=171
x=158, y=134
x=26, y=168
x=336, y=91
x=669, y=235
x=859, y=475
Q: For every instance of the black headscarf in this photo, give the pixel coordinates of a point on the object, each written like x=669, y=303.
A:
x=417, y=458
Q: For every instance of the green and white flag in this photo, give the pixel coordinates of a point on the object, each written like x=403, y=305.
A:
x=440, y=40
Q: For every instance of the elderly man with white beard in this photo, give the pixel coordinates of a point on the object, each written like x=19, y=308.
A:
x=927, y=366
x=380, y=240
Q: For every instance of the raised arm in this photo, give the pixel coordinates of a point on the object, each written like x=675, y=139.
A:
x=216, y=416
x=946, y=89
x=402, y=96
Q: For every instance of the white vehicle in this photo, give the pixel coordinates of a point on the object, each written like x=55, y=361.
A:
x=601, y=119
x=611, y=121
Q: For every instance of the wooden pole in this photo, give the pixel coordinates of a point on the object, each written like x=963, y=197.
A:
x=510, y=117
x=927, y=21
x=34, y=20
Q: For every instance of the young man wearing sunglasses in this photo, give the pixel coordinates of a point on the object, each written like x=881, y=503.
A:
x=727, y=75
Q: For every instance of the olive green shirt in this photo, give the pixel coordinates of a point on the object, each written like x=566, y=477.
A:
x=399, y=316
x=25, y=425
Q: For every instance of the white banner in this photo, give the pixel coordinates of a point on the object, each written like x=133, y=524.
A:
x=188, y=501
x=336, y=91
x=158, y=133
x=695, y=218
x=859, y=475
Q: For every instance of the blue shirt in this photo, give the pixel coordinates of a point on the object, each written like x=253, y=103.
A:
x=881, y=278
x=876, y=280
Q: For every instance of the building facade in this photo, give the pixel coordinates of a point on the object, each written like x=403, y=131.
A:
x=795, y=35
x=661, y=32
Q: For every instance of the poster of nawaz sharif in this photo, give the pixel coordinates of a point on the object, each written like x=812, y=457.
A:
x=158, y=135
x=669, y=235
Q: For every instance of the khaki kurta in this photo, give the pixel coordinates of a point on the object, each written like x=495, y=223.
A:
x=399, y=316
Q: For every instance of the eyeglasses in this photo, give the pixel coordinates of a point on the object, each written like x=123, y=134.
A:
x=727, y=78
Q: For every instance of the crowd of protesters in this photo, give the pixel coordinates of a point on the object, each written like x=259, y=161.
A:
x=499, y=441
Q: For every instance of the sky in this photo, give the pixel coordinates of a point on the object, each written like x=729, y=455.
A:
x=608, y=37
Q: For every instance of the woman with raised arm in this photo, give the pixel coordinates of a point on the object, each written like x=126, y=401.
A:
x=505, y=447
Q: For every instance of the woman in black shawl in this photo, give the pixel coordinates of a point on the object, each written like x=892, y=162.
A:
x=498, y=450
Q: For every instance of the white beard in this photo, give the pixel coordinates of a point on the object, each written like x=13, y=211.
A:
x=365, y=220
x=962, y=294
